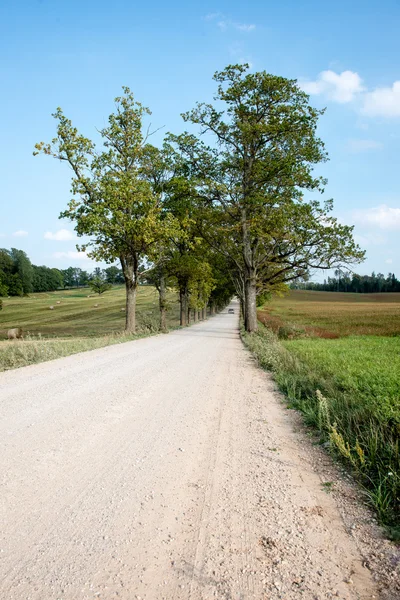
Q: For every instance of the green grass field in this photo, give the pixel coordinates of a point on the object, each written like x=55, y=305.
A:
x=75, y=324
x=346, y=346
x=77, y=315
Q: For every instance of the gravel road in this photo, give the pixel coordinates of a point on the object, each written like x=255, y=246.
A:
x=164, y=468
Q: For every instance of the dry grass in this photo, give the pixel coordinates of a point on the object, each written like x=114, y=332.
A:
x=331, y=314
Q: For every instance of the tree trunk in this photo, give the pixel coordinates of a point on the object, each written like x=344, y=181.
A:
x=188, y=313
x=212, y=309
x=204, y=313
x=199, y=315
x=242, y=309
x=251, y=302
x=129, y=266
x=182, y=300
x=195, y=315
x=162, y=300
x=130, y=312
x=250, y=278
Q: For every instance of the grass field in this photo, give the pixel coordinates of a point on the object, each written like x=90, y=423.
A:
x=337, y=358
x=75, y=324
x=332, y=314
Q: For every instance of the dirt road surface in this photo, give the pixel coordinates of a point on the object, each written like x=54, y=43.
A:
x=163, y=468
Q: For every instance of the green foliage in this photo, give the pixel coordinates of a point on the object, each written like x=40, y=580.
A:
x=263, y=298
x=23, y=267
x=113, y=202
x=99, y=285
x=113, y=275
x=15, y=285
x=18, y=276
x=45, y=279
x=200, y=285
x=3, y=286
x=353, y=283
x=251, y=184
x=15, y=272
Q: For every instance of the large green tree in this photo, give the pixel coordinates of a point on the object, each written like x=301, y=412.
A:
x=112, y=202
x=251, y=183
x=17, y=272
x=46, y=279
x=23, y=267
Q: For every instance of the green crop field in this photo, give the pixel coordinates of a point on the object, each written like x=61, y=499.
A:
x=78, y=321
x=336, y=357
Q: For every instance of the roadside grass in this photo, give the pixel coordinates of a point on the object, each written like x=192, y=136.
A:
x=76, y=324
x=348, y=389
x=33, y=350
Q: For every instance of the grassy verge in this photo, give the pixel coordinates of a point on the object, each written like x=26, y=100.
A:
x=35, y=350
x=348, y=389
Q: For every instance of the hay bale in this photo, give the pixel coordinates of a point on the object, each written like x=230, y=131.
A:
x=58, y=302
x=15, y=333
x=96, y=305
x=122, y=309
x=51, y=307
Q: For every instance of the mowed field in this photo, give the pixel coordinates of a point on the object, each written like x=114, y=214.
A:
x=78, y=321
x=337, y=358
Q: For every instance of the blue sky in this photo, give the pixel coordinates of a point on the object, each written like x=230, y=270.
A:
x=77, y=55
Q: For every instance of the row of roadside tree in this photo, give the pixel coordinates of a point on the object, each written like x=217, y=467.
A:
x=220, y=211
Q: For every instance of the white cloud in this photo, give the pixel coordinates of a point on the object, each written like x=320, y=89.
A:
x=382, y=216
x=73, y=255
x=389, y=261
x=347, y=86
x=383, y=102
x=357, y=146
x=339, y=87
x=224, y=23
x=20, y=233
x=212, y=16
x=62, y=235
x=244, y=27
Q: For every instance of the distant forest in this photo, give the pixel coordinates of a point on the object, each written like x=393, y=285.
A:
x=360, y=284
x=18, y=276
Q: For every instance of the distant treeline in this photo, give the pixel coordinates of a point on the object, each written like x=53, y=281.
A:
x=18, y=276
x=345, y=282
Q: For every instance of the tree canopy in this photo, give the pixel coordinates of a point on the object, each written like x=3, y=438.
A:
x=231, y=208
